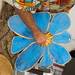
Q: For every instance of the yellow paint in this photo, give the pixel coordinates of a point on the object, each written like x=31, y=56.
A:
x=49, y=37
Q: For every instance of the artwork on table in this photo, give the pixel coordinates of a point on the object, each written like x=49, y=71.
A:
x=30, y=52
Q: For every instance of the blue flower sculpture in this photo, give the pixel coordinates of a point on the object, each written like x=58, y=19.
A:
x=55, y=29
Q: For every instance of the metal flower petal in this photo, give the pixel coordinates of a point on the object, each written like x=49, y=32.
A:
x=60, y=22
x=27, y=59
x=62, y=38
x=46, y=60
x=18, y=26
x=59, y=53
x=42, y=20
x=19, y=43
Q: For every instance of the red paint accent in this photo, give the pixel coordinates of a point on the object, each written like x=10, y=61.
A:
x=58, y=2
x=62, y=2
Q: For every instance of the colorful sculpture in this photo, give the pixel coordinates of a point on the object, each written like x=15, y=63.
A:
x=54, y=28
x=45, y=5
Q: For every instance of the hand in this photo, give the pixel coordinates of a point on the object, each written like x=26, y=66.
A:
x=40, y=38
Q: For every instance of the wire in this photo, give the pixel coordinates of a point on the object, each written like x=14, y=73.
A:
x=4, y=34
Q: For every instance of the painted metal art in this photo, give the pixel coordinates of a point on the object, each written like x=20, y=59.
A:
x=54, y=28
